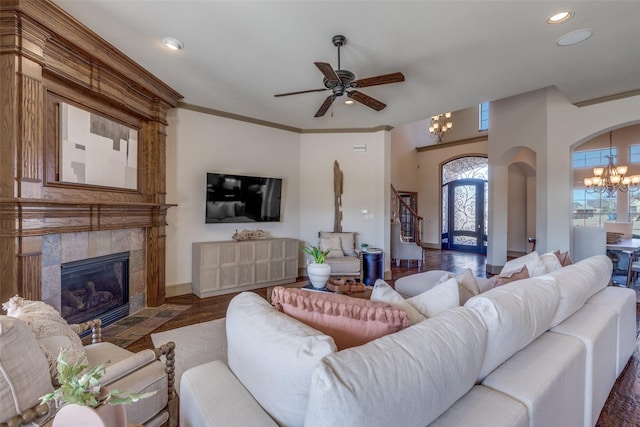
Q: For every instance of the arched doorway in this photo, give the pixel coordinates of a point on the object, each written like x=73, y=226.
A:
x=465, y=204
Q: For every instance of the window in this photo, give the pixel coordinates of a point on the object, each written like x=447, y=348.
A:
x=593, y=209
x=591, y=158
x=634, y=153
x=483, y=116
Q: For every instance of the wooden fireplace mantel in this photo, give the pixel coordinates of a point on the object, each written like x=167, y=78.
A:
x=46, y=58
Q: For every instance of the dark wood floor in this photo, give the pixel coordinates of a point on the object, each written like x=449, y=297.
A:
x=622, y=408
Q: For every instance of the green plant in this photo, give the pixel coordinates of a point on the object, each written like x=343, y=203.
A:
x=80, y=385
x=315, y=252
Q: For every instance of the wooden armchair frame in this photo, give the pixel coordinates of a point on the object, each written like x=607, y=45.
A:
x=167, y=350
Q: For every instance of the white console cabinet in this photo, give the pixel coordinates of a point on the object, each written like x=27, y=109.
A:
x=230, y=266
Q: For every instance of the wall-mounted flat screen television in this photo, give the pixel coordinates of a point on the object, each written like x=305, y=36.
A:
x=240, y=198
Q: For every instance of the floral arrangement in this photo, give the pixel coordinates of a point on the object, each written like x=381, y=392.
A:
x=80, y=385
x=315, y=252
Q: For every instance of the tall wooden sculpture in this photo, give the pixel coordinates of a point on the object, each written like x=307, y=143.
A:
x=337, y=190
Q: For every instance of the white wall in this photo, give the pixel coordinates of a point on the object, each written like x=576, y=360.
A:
x=198, y=143
x=365, y=187
x=548, y=124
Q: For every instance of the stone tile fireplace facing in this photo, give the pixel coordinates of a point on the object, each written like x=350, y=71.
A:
x=62, y=248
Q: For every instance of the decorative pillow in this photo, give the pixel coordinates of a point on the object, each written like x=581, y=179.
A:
x=382, y=292
x=52, y=332
x=273, y=355
x=531, y=260
x=437, y=299
x=333, y=245
x=350, y=321
x=21, y=367
x=467, y=284
x=551, y=261
x=347, y=238
x=512, y=276
x=563, y=257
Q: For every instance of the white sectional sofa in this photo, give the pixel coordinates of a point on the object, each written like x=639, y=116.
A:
x=543, y=351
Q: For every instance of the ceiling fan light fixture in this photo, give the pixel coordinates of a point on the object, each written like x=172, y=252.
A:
x=172, y=43
x=560, y=17
x=349, y=101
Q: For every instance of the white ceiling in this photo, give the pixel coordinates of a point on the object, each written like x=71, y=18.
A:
x=454, y=54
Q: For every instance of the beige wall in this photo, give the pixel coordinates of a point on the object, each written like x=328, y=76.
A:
x=198, y=143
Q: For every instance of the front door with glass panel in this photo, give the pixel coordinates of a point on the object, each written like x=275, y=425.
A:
x=466, y=216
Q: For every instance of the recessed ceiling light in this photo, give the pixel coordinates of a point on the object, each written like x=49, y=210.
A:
x=559, y=17
x=171, y=43
x=574, y=37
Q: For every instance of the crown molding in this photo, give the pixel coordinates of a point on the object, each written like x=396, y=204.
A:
x=232, y=116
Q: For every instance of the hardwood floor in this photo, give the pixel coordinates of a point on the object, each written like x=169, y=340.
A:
x=622, y=408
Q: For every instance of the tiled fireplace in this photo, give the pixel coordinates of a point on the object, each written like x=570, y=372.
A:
x=68, y=248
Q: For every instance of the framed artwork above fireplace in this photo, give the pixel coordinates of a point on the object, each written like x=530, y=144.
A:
x=95, y=150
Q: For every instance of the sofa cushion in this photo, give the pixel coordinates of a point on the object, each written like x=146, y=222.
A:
x=531, y=260
x=419, y=372
x=350, y=321
x=347, y=239
x=467, y=284
x=551, y=261
x=50, y=329
x=349, y=265
x=333, y=245
x=514, y=314
x=273, y=355
x=564, y=258
x=23, y=369
x=578, y=282
x=508, y=277
x=382, y=292
x=438, y=299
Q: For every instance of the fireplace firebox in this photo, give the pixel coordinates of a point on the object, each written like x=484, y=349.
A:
x=96, y=288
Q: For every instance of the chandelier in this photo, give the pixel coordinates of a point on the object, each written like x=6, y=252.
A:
x=611, y=178
x=440, y=125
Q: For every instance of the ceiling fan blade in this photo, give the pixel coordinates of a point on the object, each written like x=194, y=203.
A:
x=366, y=100
x=302, y=91
x=328, y=71
x=325, y=105
x=379, y=80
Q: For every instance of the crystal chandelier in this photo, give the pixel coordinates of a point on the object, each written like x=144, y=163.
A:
x=440, y=125
x=612, y=178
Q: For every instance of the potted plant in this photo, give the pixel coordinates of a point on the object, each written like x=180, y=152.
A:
x=318, y=271
x=84, y=398
x=364, y=246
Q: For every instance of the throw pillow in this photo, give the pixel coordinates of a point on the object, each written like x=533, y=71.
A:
x=564, y=258
x=437, y=299
x=350, y=321
x=512, y=276
x=382, y=292
x=531, y=260
x=50, y=329
x=333, y=245
x=21, y=366
x=467, y=284
x=551, y=261
x=347, y=238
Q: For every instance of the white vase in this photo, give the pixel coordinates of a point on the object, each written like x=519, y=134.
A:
x=318, y=274
x=72, y=415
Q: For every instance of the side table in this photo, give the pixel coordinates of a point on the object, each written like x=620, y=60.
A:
x=373, y=266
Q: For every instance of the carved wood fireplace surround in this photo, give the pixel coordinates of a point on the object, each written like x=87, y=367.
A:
x=48, y=58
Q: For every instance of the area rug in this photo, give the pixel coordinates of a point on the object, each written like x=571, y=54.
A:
x=126, y=331
x=195, y=344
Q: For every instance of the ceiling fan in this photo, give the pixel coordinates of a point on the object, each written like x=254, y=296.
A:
x=338, y=81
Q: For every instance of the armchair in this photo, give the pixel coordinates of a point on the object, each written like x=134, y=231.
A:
x=404, y=250
x=25, y=374
x=344, y=258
